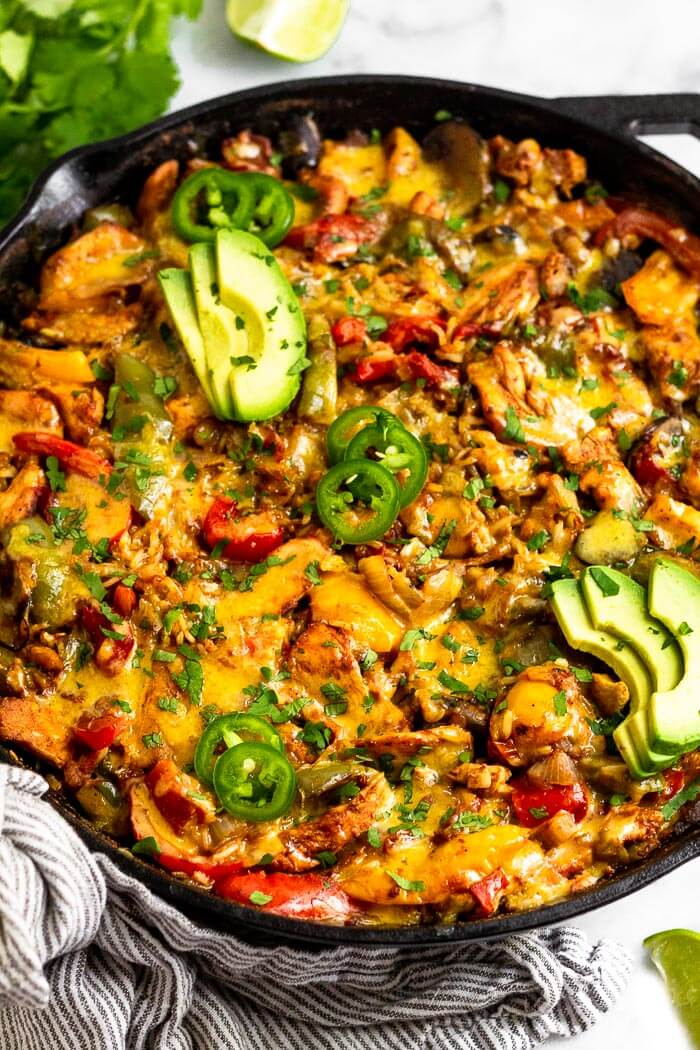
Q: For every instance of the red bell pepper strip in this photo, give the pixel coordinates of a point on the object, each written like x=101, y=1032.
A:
x=174, y=793
x=332, y=237
x=682, y=246
x=191, y=865
x=296, y=896
x=675, y=780
x=405, y=331
x=373, y=368
x=419, y=366
x=249, y=539
x=347, y=330
x=71, y=457
x=111, y=654
x=471, y=330
x=412, y=365
x=486, y=892
x=535, y=803
x=97, y=732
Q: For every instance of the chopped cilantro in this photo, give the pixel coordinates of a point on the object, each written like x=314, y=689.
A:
x=152, y=740
x=311, y=573
x=559, y=703
x=514, y=428
x=604, y=581
x=412, y=636
x=409, y=885
x=501, y=191
x=260, y=898
x=687, y=794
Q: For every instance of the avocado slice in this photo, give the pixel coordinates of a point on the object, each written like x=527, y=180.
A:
x=574, y=621
x=223, y=340
x=176, y=286
x=674, y=714
x=626, y=745
x=252, y=286
x=625, y=615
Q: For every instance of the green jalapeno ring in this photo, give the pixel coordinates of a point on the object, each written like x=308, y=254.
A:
x=397, y=450
x=273, y=212
x=222, y=198
x=214, y=199
x=228, y=730
x=351, y=483
x=343, y=429
x=254, y=782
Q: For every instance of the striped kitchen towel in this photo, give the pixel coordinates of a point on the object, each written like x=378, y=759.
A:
x=91, y=960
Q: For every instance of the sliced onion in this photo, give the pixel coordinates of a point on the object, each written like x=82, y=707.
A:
x=376, y=573
x=405, y=590
x=439, y=592
x=557, y=768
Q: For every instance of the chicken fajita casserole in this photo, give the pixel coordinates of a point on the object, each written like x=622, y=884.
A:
x=350, y=496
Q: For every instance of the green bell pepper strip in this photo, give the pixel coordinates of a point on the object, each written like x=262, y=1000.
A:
x=343, y=429
x=229, y=730
x=358, y=500
x=254, y=782
x=136, y=401
x=396, y=450
x=319, y=391
x=215, y=199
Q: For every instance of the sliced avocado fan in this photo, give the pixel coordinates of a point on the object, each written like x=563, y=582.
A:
x=576, y=626
x=618, y=604
x=625, y=614
x=252, y=285
x=241, y=325
x=674, y=714
x=574, y=621
x=652, y=642
x=178, y=293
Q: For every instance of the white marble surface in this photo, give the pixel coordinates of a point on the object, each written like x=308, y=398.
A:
x=545, y=47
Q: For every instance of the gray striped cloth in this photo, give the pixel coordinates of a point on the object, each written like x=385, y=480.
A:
x=92, y=960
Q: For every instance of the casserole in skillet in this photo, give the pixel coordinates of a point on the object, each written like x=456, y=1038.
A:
x=512, y=352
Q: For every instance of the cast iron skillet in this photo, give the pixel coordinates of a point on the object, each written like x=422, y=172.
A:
x=600, y=128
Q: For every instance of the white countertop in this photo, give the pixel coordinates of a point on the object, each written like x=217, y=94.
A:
x=545, y=47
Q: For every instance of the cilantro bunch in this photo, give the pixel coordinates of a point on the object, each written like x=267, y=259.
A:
x=76, y=71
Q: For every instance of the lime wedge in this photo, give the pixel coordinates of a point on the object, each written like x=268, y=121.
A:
x=676, y=953
x=298, y=30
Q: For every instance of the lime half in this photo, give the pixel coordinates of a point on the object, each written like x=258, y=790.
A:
x=298, y=30
x=676, y=953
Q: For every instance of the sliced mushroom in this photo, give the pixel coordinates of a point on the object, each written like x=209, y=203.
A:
x=301, y=144
x=502, y=238
x=462, y=152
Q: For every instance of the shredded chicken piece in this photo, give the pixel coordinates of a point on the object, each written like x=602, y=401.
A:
x=332, y=831
x=107, y=259
x=20, y=499
x=402, y=153
x=596, y=459
x=29, y=721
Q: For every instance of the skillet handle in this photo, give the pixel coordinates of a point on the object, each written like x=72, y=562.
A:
x=637, y=114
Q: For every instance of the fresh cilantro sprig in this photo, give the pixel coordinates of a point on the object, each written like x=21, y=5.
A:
x=75, y=71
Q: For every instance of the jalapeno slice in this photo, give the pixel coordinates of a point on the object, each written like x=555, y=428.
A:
x=343, y=429
x=228, y=731
x=254, y=782
x=215, y=199
x=358, y=500
x=398, y=451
